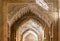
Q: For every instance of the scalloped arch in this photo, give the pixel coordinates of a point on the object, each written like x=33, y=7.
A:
x=35, y=11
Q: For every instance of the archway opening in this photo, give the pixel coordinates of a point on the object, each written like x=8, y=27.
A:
x=24, y=19
x=30, y=27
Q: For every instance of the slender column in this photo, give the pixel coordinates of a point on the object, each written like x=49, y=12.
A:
x=51, y=32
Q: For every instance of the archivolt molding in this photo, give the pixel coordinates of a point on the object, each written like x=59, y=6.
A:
x=34, y=9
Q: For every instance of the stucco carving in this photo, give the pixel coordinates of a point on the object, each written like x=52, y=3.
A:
x=31, y=8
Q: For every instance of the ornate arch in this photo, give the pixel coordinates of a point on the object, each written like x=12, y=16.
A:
x=35, y=10
x=25, y=14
